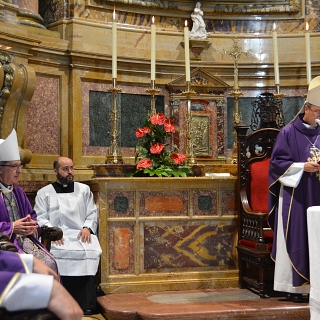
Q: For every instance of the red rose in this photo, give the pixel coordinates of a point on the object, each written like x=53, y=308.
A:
x=178, y=157
x=157, y=148
x=140, y=132
x=158, y=118
x=144, y=163
x=169, y=126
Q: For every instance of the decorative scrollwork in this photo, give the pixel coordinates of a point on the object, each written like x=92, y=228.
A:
x=6, y=60
x=267, y=112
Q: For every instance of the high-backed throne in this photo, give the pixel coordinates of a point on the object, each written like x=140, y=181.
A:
x=254, y=151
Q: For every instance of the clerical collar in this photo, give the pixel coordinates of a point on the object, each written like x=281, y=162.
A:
x=60, y=188
x=5, y=188
x=309, y=126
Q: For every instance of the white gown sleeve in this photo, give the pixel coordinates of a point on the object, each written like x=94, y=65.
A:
x=28, y=259
x=30, y=291
x=42, y=210
x=293, y=176
x=91, y=211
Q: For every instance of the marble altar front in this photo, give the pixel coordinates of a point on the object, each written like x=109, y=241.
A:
x=167, y=233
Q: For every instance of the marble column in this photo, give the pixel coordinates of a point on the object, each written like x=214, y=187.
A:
x=29, y=13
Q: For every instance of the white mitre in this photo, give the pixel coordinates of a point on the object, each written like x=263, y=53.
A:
x=9, y=149
x=313, y=95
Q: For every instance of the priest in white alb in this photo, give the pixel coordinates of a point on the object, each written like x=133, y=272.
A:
x=70, y=206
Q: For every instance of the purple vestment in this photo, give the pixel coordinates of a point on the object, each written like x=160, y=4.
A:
x=6, y=226
x=10, y=264
x=292, y=146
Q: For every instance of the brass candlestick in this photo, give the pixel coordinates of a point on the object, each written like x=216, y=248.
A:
x=153, y=91
x=114, y=155
x=189, y=145
x=278, y=95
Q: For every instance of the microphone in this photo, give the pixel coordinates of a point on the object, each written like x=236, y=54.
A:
x=317, y=122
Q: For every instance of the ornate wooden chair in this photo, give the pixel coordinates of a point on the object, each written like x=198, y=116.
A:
x=255, y=237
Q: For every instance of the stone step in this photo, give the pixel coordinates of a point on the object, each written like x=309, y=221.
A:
x=200, y=305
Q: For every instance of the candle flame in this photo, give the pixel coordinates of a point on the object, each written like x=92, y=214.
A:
x=114, y=14
x=307, y=26
x=153, y=19
x=274, y=26
x=186, y=23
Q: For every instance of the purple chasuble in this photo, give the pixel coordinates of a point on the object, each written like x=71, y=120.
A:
x=293, y=145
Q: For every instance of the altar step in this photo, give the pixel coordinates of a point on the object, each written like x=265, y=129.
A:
x=219, y=304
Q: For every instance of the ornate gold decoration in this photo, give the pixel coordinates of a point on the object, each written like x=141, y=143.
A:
x=189, y=147
x=114, y=155
x=315, y=158
x=236, y=53
x=5, y=60
x=200, y=135
x=153, y=91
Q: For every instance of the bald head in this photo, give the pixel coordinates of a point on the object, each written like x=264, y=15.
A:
x=63, y=168
x=61, y=161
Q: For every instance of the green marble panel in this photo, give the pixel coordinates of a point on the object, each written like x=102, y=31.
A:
x=132, y=109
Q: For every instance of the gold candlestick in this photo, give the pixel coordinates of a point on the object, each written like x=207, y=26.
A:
x=153, y=91
x=114, y=155
x=189, y=145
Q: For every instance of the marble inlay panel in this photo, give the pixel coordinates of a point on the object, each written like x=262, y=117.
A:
x=43, y=117
x=120, y=246
x=228, y=202
x=148, y=208
x=121, y=204
x=188, y=246
x=162, y=203
x=204, y=202
x=121, y=238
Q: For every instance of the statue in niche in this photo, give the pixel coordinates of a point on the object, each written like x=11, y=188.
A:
x=199, y=27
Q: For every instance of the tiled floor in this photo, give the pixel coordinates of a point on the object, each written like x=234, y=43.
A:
x=219, y=304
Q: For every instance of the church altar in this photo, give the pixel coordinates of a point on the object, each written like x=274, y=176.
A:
x=162, y=234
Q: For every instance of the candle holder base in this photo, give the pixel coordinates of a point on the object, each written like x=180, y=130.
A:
x=114, y=159
x=278, y=95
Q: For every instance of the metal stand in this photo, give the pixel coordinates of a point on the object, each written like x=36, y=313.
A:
x=114, y=155
x=153, y=91
x=189, y=146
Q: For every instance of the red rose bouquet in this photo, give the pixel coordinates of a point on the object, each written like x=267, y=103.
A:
x=153, y=155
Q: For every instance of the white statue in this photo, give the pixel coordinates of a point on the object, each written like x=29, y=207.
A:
x=199, y=27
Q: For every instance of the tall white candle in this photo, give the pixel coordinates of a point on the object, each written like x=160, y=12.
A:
x=308, y=59
x=186, y=51
x=153, y=50
x=275, y=55
x=114, y=46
